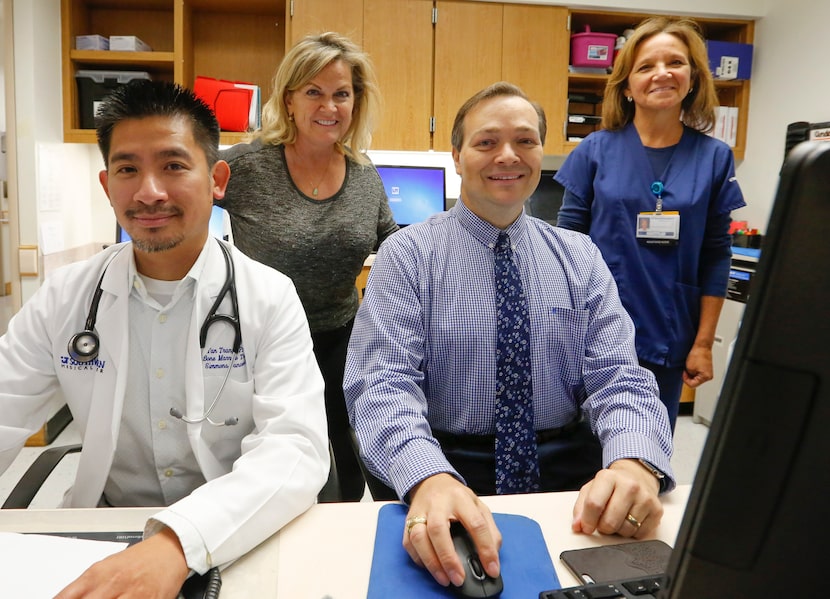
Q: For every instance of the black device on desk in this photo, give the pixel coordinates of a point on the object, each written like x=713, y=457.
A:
x=621, y=561
x=477, y=583
x=756, y=521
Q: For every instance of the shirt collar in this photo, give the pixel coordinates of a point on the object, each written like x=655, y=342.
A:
x=188, y=282
x=485, y=232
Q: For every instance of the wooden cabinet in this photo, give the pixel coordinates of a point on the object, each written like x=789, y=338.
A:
x=466, y=59
x=428, y=69
x=430, y=55
x=318, y=16
x=242, y=40
x=398, y=36
x=535, y=57
x=477, y=44
x=730, y=93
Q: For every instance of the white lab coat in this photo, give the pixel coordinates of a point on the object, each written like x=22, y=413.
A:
x=260, y=474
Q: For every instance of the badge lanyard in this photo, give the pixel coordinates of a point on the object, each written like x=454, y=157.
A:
x=658, y=227
x=657, y=190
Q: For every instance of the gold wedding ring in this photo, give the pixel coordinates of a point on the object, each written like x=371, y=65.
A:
x=410, y=522
x=633, y=521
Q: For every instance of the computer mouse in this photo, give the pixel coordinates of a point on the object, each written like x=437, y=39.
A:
x=476, y=581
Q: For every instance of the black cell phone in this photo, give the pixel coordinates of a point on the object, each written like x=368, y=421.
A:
x=610, y=563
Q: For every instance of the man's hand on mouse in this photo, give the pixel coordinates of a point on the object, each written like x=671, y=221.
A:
x=622, y=499
x=439, y=500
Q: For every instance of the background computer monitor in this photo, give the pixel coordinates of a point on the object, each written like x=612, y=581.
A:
x=219, y=226
x=415, y=192
x=757, y=524
x=546, y=201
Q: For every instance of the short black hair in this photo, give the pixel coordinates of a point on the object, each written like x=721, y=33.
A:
x=142, y=98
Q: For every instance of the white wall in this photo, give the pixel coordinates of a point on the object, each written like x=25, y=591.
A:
x=55, y=199
x=2, y=74
x=5, y=246
x=789, y=83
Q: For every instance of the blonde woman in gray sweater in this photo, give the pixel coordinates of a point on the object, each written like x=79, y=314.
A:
x=303, y=198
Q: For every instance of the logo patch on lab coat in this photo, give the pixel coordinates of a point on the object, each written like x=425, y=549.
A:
x=96, y=365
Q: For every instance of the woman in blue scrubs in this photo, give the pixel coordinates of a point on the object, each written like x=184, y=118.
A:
x=655, y=193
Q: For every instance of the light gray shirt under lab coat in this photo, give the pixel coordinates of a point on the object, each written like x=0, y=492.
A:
x=154, y=464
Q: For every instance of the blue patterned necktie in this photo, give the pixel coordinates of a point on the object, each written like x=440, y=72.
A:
x=517, y=459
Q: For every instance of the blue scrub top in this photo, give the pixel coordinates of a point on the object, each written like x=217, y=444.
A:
x=608, y=178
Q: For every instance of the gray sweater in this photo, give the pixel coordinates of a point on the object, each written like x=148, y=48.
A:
x=320, y=244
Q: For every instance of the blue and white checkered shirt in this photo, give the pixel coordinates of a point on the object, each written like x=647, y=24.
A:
x=423, y=350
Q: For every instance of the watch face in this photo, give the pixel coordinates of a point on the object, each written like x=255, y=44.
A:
x=652, y=469
x=661, y=478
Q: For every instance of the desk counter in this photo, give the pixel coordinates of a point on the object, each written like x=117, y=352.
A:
x=253, y=575
x=327, y=552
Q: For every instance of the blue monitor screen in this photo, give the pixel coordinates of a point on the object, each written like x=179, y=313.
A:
x=217, y=226
x=415, y=192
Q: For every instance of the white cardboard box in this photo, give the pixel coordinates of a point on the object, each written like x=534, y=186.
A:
x=91, y=42
x=128, y=43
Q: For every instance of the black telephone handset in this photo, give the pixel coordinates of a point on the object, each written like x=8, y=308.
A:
x=205, y=586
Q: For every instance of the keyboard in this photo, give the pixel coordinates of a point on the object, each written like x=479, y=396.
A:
x=632, y=588
x=130, y=537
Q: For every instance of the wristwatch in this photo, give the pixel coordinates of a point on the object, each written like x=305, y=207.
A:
x=661, y=478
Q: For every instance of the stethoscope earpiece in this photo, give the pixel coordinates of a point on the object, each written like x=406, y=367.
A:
x=83, y=347
x=177, y=413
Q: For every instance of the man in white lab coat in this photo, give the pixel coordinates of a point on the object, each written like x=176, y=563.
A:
x=187, y=366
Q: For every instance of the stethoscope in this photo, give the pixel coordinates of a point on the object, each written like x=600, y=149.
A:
x=83, y=347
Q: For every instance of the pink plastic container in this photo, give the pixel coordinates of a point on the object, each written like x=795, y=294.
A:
x=589, y=49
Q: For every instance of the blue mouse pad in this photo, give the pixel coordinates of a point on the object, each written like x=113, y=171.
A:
x=526, y=567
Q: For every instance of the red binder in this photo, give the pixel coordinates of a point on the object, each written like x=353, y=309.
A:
x=230, y=104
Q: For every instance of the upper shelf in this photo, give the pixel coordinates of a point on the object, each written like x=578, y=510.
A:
x=150, y=60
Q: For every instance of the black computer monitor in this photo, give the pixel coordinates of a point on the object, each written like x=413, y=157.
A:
x=546, y=201
x=757, y=520
x=217, y=225
x=415, y=192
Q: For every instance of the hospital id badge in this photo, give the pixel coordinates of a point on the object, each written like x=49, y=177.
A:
x=658, y=228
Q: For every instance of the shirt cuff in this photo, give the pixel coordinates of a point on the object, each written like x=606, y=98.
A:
x=417, y=462
x=196, y=554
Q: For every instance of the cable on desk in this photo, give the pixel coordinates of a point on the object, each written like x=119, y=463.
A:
x=206, y=586
x=214, y=584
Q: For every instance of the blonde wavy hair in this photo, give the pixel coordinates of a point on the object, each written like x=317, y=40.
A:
x=698, y=108
x=304, y=62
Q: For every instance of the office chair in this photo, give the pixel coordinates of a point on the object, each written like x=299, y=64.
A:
x=379, y=490
x=29, y=484
x=31, y=481
x=330, y=493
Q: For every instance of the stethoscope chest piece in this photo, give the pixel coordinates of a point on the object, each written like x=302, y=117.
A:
x=83, y=346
